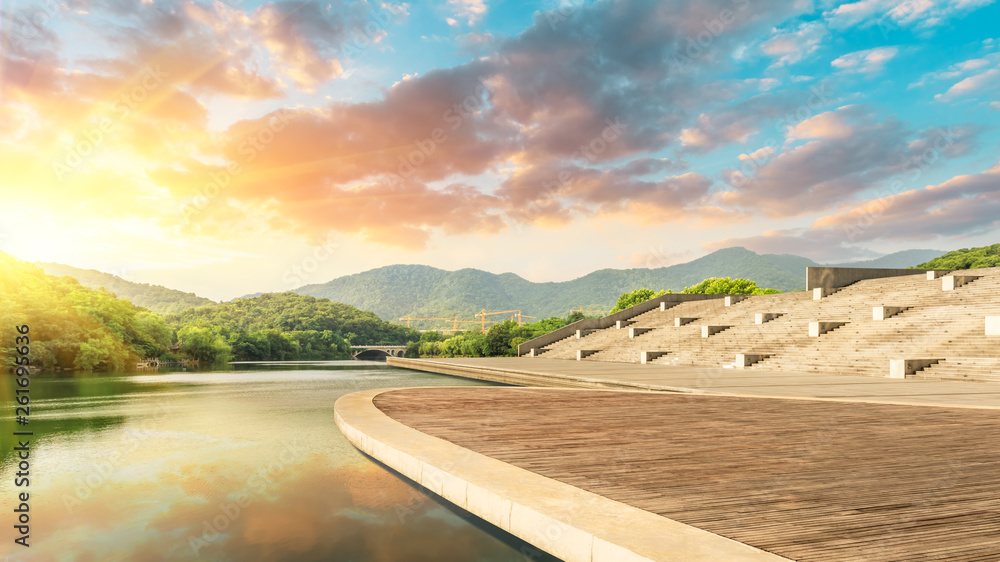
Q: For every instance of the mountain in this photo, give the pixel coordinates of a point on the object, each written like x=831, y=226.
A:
x=72, y=326
x=422, y=291
x=899, y=260
x=154, y=297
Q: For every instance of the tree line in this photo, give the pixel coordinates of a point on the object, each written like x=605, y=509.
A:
x=78, y=328
x=503, y=339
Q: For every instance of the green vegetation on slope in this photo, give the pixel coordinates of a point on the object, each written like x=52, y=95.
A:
x=966, y=258
x=154, y=297
x=710, y=286
x=72, y=326
x=727, y=286
x=281, y=327
x=395, y=291
x=501, y=340
x=632, y=298
x=79, y=328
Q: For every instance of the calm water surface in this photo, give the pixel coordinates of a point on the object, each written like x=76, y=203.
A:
x=245, y=464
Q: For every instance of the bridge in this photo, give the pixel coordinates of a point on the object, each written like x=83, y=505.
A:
x=380, y=351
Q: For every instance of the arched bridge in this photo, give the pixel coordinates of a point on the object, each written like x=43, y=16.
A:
x=378, y=351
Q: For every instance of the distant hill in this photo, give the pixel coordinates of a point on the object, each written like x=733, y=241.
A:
x=397, y=290
x=899, y=260
x=966, y=258
x=154, y=297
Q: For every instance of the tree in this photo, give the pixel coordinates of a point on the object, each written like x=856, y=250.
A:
x=966, y=258
x=72, y=326
x=204, y=344
x=727, y=286
x=498, y=339
x=635, y=297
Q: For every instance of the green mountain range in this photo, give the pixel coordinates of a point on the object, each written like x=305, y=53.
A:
x=421, y=291
x=154, y=297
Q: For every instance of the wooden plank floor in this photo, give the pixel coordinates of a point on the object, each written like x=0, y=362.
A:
x=803, y=479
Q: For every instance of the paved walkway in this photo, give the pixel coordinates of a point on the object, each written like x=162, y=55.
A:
x=806, y=480
x=538, y=371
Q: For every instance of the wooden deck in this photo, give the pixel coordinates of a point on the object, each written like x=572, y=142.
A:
x=807, y=480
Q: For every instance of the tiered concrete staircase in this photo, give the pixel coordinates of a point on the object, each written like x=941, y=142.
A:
x=922, y=322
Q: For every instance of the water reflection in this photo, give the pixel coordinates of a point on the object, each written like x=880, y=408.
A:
x=245, y=464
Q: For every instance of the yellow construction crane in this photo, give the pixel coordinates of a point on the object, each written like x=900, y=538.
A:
x=409, y=318
x=456, y=322
x=483, y=314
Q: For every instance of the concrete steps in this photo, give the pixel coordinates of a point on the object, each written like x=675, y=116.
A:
x=935, y=323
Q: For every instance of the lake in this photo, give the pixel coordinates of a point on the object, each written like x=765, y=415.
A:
x=240, y=464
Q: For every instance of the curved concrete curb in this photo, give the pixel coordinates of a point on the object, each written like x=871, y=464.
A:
x=575, y=525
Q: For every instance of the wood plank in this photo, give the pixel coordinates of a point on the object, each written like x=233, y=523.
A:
x=805, y=480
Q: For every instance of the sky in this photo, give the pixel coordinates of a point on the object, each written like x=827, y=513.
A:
x=231, y=147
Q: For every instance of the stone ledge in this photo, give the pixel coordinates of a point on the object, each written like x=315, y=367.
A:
x=634, y=332
x=993, y=325
x=820, y=293
x=952, y=282
x=765, y=317
x=708, y=331
x=678, y=322
x=886, y=312
x=817, y=329
x=744, y=360
x=649, y=356
x=902, y=368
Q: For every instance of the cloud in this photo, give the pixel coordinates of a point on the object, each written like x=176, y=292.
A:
x=953, y=71
x=891, y=13
x=790, y=47
x=471, y=11
x=847, y=152
x=758, y=155
x=869, y=61
x=965, y=205
x=552, y=193
x=827, y=125
x=306, y=37
x=982, y=82
x=541, y=105
x=737, y=122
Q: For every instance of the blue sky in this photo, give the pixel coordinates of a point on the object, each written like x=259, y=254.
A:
x=264, y=145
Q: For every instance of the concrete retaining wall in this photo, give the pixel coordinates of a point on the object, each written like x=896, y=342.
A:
x=607, y=321
x=836, y=277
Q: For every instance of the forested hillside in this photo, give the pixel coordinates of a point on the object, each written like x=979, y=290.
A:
x=78, y=328
x=73, y=326
x=154, y=297
x=423, y=291
x=282, y=326
x=966, y=258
